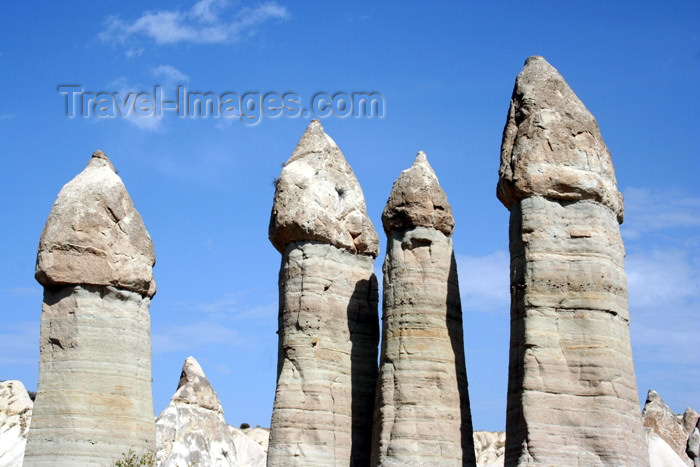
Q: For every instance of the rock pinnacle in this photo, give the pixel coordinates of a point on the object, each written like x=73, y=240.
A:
x=318, y=198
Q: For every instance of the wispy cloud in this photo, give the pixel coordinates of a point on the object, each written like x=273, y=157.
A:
x=648, y=210
x=169, y=75
x=484, y=282
x=134, y=52
x=190, y=336
x=6, y=116
x=150, y=123
x=206, y=22
x=663, y=278
x=231, y=320
x=19, y=343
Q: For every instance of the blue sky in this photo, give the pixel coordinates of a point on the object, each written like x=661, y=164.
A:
x=204, y=185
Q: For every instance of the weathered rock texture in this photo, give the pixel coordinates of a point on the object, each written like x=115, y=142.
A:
x=422, y=414
x=328, y=323
x=572, y=395
x=192, y=429
x=661, y=454
x=15, y=416
x=251, y=449
x=675, y=431
x=95, y=260
x=693, y=448
x=489, y=447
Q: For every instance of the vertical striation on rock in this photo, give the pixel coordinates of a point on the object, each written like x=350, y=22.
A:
x=192, y=429
x=95, y=259
x=422, y=414
x=572, y=394
x=328, y=322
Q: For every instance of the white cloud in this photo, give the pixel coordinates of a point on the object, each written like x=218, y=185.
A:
x=134, y=52
x=484, y=282
x=169, y=75
x=6, y=116
x=664, y=299
x=648, y=210
x=207, y=22
x=662, y=278
x=150, y=123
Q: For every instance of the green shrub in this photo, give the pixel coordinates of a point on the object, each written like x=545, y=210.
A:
x=133, y=459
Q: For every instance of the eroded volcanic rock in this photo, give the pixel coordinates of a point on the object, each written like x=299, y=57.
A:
x=94, y=398
x=328, y=323
x=422, y=414
x=192, y=429
x=572, y=393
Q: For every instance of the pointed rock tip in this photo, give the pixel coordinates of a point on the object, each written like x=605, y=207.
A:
x=194, y=387
x=552, y=146
x=535, y=58
x=95, y=236
x=100, y=159
x=318, y=198
x=420, y=158
x=418, y=200
x=190, y=369
x=314, y=140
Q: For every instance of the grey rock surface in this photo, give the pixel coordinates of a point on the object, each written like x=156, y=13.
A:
x=94, y=397
x=318, y=198
x=422, y=414
x=572, y=394
x=192, y=429
x=552, y=146
x=328, y=323
x=693, y=447
x=690, y=420
x=95, y=236
x=659, y=417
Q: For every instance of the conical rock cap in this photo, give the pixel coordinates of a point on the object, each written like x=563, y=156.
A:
x=94, y=235
x=418, y=200
x=194, y=388
x=318, y=198
x=552, y=146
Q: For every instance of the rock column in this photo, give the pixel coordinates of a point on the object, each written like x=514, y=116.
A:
x=572, y=394
x=328, y=323
x=422, y=414
x=94, y=400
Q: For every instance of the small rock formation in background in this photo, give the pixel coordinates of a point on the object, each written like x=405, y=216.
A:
x=572, y=393
x=192, y=429
x=489, y=447
x=674, y=431
x=422, y=414
x=328, y=321
x=15, y=416
x=94, y=400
